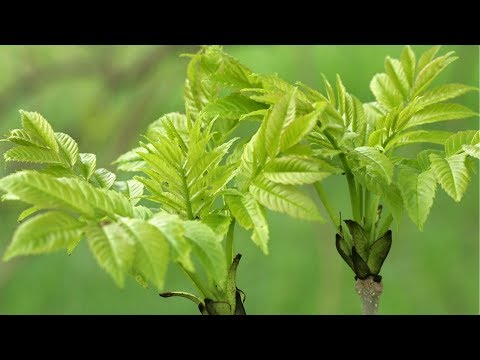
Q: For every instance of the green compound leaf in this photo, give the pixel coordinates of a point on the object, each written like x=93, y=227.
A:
x=44, y=233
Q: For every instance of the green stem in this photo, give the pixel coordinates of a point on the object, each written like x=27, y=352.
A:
x=361, y=196
x=186, y=192
x=371, y=207
x=229, y=248
x=326, y=203
x=198, y=284
x=366, y=211
x=386, y=224
x=373, y=215
x=352, y=187
x=354, y=198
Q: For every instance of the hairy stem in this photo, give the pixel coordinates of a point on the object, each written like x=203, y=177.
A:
x=369, y=292
x=326, y=203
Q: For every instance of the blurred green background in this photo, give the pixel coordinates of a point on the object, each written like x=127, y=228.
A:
x=105, y=96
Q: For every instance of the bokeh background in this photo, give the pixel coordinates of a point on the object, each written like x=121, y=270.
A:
x=105, y=96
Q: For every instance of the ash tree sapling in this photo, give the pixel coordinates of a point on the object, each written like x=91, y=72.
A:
x=346, y=137
x=190, y=185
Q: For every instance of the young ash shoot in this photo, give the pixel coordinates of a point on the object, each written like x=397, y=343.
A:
x=334, y=133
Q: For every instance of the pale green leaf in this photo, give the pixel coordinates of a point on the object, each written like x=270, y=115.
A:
x=269, y=133
x=408, y=63
x=299, y=127
x=377, y=137
x=218, y=178
x=103, y=178
x=36, y=124
x=87, y=165
x=440, y=112
x=427, y=57
x=356, y=118
x=455, y=142
x=28, y=212
x=371, y=180
x=445, y=92
x=24, y=137
x=393, y=199
x=142, y=212
x=373, y=112
x=178, y=120
x=219, y=223
x=423, y=158
x=58, y=171
x=385, y=91
x=430, y=71
x=44, y=233
x=419, y=136
x=68, y=147
x=208, y=249
x=301, y=149
x=151, y=250
x=134, y=190
x=132, y=166
x=251, y=215
x=312, y=95
x=284, y=198
x=107, y=201
x=45, y=191
x=228, y=70
x=472, y=150
x=9, y=197
x=330, y=92
x=418, y=191
x=232, y=106
x=172, y=228
x=295, y=170
x=375, y=162
x=327, y=153
x=30, y=154
x=341, y=95
x=451, y=173
x=73, y=244
x=254, y=115
x=112, y=248
x=397, y=75
x=131, y=161
x=64, y=193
